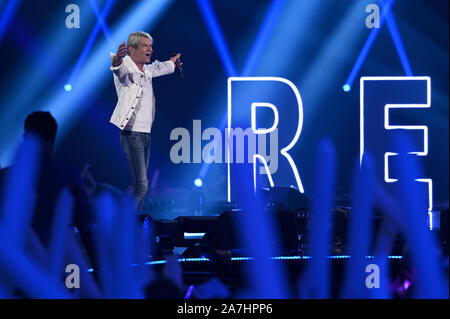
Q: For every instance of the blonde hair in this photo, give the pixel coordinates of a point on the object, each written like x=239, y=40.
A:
x=133, y=38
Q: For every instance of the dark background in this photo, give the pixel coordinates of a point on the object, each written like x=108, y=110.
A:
x=313, y=43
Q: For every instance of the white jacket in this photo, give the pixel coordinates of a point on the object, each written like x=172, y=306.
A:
x=127, y=80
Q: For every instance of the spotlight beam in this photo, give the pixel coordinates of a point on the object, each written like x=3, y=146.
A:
x=396, y=38
x=101, y=19
x=91, y=78
x=331, y=57
x=263, y=36
x=218, y=38
x=34, y=78
x=254, y=55
x=7, y=16
x=366, y=48
x=91, y=40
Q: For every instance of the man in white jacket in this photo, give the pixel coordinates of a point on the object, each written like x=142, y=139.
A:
x=135, y=109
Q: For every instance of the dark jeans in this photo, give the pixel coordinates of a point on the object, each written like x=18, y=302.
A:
x=136, y=146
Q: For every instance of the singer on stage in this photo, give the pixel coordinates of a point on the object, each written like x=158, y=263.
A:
x=135, y=109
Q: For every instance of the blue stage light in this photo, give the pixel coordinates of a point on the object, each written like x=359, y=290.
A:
x=101, y=18
x=156, y=262
x=7, y=16
x=346, y=87
x=386, y=15
x=202, y=259
x=254, y=56
x=50, y=57
x=395, y=34
x=198, y=182
x=189, y=292
x=90, y=79
x=68, y=87
x=90, y=43
x=263, y=36
x=216, y=33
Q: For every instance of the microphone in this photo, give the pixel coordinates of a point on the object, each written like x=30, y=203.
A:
x=179, y=68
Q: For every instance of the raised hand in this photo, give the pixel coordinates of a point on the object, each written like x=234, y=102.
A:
x=16, y=264
x=411, y=218
x=120, y=243
x=176, y=58
x=121, y=52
